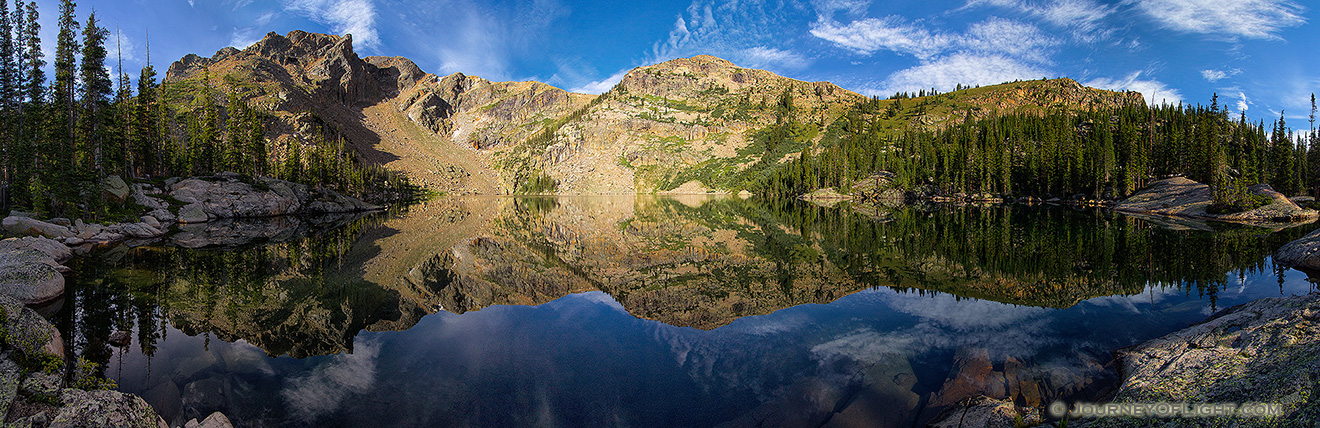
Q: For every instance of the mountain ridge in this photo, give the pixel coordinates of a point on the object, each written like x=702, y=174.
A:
x=688, y=125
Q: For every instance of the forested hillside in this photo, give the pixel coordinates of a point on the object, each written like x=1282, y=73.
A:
x=61, y=138
x=1103, y=153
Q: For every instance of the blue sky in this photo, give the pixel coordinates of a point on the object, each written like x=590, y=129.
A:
x=1259, y=55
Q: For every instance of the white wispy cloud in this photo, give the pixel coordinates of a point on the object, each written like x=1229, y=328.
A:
x=947, y=72
x=1215, y=75
x=991, y=51
x=742, y=31
x=762, y=56
x=1257, y=19
x=891, y=33
x=322, y=390
x=1156, y=92
x=1243, y=103
x=1084, y=18
x=600, y=86
x=356, y=17
x=1012, y=38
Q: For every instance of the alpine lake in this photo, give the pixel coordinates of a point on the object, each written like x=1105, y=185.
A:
x=651, y=311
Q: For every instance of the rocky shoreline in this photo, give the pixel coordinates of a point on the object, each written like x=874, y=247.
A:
x=192, y=213
x=1263, y=352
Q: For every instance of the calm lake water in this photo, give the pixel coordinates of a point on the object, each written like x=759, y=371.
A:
x=654, y=311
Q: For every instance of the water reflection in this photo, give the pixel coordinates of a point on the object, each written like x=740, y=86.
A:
x=639, y=311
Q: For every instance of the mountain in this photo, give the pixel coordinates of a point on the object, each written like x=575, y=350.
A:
x=686, y=125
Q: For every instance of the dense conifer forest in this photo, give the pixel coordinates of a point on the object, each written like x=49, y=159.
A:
x=59, y=140
x=1104, y=154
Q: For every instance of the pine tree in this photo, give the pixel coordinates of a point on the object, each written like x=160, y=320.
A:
x=63, y=169
x=148, y=154
x=7, y=102
x=122, y=113
x=96, y=90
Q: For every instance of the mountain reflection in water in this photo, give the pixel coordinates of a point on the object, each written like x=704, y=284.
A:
x=654, y=311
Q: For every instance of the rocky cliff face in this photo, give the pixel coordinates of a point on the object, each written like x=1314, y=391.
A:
x=665, y=127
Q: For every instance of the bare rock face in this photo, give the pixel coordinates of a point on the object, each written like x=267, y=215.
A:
x=1266, y=351
x=30, y=276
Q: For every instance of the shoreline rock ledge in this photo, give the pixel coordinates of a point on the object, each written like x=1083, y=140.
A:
x=1265, y=351
x=1183, y=197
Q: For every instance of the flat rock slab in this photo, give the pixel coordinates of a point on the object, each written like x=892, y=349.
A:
x=57, y=251
x=24, y=226
x=1182, y=197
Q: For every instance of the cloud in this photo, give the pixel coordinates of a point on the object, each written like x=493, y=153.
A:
x=1214, y=75
x=1013, y=38
x=1156, y=92
x=738, y=30
x=762, y=57
x=356, y=17
x=962, y=68
x=991, y=51
x=244, y=37
x=1084, y=17
x=603, y=85
x=320, y=392
x=890, y=33
x=1243, y=103
x=1256, y=19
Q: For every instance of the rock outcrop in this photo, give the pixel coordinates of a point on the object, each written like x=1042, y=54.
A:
x=985, y=412
x=1182, y=197
x=1304, y=253
x=1265, y=351
x=232, y=196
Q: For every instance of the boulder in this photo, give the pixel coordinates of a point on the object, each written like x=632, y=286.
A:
x=30, y=276
x=96, y=409
x=24, y=226
x=115, y=189
x=151, y=203
x=28, y=331
x=216, y=420
x=50, y=247
x=10, y=376
x=140, y=230
x=1304, y=253
x=163, y=216
x=192, y=213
